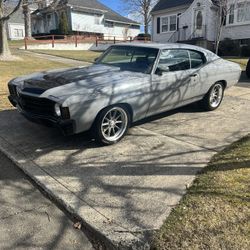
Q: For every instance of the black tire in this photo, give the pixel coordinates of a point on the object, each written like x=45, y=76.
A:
x=104, y=125
x=208, y=103
x=248, y=69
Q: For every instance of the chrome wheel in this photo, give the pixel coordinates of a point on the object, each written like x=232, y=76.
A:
x=216, y=95
x=114, y=124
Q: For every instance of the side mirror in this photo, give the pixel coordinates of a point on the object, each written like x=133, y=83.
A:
x=158, y=72
x=162, y=69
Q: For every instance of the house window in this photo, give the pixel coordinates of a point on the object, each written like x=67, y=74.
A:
x=243, y=12
x=18, y=33
x=173, y=23
x=168, y=23
x=199, y=20
x=108, y=24
x=164, y=24
x=231, y=14
x=197, y=59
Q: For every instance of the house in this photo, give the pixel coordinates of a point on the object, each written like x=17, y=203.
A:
x=84, y=17
x=197, y=21
x=15, y=26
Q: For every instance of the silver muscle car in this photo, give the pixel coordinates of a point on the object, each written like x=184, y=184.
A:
x=127, y=83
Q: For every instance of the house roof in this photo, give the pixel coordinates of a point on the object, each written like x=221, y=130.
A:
x=17, y=17
x=166, y=4
x=109, y=14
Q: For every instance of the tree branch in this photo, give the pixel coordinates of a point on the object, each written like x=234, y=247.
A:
x=12, y=12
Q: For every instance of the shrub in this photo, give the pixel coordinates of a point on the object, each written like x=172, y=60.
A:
x=63, y=24
x=248, y=69
x=229, y=47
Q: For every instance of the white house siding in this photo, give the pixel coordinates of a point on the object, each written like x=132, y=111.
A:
x=120, y=31
x=16, y=31
x=84, y=22
x=187, y=19
x=209, y=19
x=164, y=37
x=236, y=30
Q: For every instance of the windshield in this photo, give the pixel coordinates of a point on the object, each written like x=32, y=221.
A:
x=131, y=58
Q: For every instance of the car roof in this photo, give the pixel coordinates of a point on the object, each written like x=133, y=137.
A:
x=210, y=55
x=160, y=45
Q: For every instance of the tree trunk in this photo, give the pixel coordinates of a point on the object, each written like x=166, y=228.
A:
x=4, y=46
x=218, y=41
x=145, y=24
x=27, y=21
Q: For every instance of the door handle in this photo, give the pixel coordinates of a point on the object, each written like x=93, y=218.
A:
x=194, y=75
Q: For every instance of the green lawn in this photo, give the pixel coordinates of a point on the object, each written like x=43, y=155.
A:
x=81, y=55
x=241, y=61
x=215, y=212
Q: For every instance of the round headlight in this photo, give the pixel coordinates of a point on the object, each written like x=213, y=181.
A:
x=57, y=109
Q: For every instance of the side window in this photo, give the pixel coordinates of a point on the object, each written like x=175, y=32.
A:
x=197, y=59
x=174, y=60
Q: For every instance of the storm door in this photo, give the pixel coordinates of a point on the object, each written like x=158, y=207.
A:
x=198, y=24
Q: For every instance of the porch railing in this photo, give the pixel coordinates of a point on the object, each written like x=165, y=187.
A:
x=183, y=34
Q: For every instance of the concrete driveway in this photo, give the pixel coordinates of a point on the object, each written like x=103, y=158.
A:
x=124, y=192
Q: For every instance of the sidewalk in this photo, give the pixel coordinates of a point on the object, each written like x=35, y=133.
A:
x=30, y=221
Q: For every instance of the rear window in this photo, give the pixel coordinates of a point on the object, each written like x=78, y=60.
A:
x=197, y=59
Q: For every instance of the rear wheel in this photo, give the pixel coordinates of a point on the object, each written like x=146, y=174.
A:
x=111, y=125
x=214, y=97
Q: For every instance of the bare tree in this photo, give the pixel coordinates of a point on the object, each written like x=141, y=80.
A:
x=7, y=8
x=27, y=17
x=142, y=9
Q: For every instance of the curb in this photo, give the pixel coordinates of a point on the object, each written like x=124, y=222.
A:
x=113, y=239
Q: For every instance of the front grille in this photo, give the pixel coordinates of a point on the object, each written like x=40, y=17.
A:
x=12, y=90
x=36, y=105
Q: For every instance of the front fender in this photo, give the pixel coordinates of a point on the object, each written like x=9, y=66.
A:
x=85, y=112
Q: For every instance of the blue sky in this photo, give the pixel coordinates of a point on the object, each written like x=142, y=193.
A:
x=116, y=5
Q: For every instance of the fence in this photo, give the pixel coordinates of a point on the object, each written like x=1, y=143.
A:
x=75, y=39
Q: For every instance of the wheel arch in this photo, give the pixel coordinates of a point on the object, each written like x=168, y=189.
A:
x=224, y=83
x=126, y=105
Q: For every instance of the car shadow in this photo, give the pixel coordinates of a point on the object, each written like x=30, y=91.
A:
x=119, y=178
x=190, y=108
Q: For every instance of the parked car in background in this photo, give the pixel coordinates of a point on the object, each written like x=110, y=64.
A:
x=248, y=69
x=143, y=37
x=127, y=83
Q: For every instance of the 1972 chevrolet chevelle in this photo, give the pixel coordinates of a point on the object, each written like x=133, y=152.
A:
x=127, y=83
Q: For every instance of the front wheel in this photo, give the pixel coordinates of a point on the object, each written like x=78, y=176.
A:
x=111, y=125
x=214, y=97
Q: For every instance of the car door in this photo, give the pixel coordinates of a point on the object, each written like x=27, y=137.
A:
x=170, y=84
x=198, y=74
